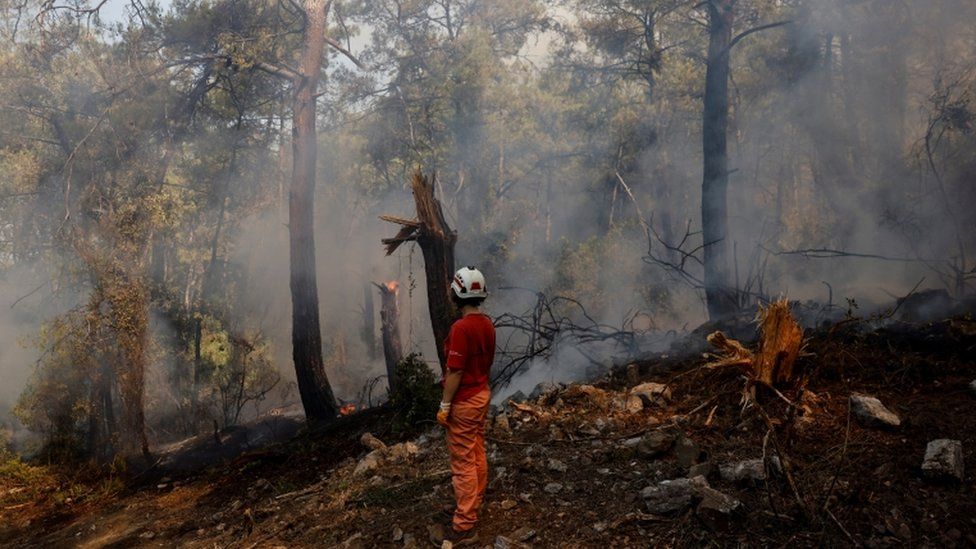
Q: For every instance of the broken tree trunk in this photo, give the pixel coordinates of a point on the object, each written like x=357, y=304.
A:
x=436, y=239
x=390, y=327
x=779, y=346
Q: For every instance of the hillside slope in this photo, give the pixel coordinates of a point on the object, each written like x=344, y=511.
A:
x=583, y=466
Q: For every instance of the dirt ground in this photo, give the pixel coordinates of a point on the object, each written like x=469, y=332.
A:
x=843, y=483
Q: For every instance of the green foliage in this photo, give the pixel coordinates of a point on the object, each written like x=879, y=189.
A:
x=415, y=395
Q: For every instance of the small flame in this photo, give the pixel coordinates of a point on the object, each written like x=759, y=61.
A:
x=347, y=409
x=392, y=286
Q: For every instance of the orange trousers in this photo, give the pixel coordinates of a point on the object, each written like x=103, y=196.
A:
x=469, y=464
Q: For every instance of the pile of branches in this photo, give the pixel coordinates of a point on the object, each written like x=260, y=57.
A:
x=552, y=321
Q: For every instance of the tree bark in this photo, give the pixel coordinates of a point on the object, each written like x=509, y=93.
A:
x=719, y=295
x=369, y=322
x=313, y=385
x=436, y=240
x=390, y=326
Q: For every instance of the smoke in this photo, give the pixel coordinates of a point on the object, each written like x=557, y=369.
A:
x=826, y=146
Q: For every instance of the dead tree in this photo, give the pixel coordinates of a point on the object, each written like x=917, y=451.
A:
x=436, y=239
x=390, y=327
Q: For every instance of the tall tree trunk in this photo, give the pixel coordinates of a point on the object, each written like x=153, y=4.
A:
x=719, y=296
x=436, y=240
x=390, y=325
x=369, y=321
x=313, y=385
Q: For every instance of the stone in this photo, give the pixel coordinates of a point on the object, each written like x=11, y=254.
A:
x=370, y=463
x=749, y=470
x=701, y=470
x=553, y=488
x=517, y=396
x=672, y=496
x=686, y=451
x=716, y=509
x=654, y=444
x=404, y=451
x=354, y=541
x=634, y=404
x=872, y=413
x=523, y=534
x=652, y=393
x=943, y=460
x=371, y=442
x=557, y=466
x=409, y=540
x=505, y=542
x=508, y=504
x=397, y=533
x=544, y=388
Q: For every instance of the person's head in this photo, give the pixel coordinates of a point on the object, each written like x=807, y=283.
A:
x=468, y=289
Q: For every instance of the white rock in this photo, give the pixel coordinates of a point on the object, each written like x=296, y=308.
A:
x=403, y=451
x=871, y=412
x=943, y=459
x=370, y=463
x=558, y=466
x=747, y=470
x=553, y=488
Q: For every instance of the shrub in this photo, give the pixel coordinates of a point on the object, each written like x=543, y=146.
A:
x=415, y=396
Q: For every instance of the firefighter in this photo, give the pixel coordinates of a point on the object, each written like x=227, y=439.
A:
x=470, y=350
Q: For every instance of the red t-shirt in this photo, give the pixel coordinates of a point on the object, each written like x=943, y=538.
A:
x=471, y=348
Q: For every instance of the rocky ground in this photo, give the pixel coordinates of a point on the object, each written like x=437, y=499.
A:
x=876, y=449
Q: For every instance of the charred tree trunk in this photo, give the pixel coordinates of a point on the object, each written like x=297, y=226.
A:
x=436, y=240
x=715, y=181
x=369, y=321
x=390, y=325
x=313, y=385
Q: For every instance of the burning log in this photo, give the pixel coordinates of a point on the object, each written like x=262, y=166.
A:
x=779, y=346
x=390, y=327
x=436, y=239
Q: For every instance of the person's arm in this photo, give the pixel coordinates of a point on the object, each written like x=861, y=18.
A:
x=454, y=369
x=452, y=380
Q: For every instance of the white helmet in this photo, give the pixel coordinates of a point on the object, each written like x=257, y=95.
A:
x=469, y=282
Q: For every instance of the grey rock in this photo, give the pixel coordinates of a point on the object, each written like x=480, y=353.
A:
x=972, y=386
x=556, y=465
x=505, y=542
x=672, y=496
x=544, y=388
x=517, y=396
x=523, y=534
x=871, y=412
x=701, y=470
x=686, y=451
x=716, y=509
x=370, y=463
x=943, y=460
x=655, y=443
x=747, y=470
x=553, y=488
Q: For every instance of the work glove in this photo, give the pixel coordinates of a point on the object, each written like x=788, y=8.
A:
x=442, y=414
